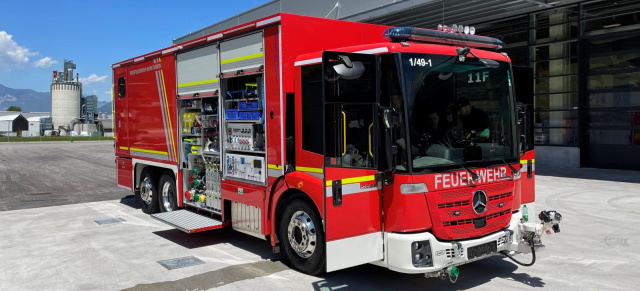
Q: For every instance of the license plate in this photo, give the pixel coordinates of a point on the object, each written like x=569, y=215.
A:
x=482, y=250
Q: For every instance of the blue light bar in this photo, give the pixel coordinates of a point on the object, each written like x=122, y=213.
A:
x=435, y=36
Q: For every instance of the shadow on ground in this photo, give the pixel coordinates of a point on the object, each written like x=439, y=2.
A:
x=130, y=201
x=220, y=236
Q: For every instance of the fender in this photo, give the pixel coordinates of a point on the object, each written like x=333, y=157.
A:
x=308, y=184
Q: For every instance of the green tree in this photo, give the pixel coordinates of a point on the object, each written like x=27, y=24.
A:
x=14, y=108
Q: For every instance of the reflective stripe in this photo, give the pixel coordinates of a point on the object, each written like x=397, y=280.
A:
x=164, y=91
x=374, y=51
x=274, y=173
x=525, y=161
x=307, y=62
x=275, y=167
x=525, y=168
x=124, y=148
x=354, y=180
x=353, y=189
x=149, y=155
x=238, y=59
x=163, y=107
x=317, y=175
x=312, y=170
x=148, y=151
x=212, y=81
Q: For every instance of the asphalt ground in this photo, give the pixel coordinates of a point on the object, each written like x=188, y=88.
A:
x=53, y=242
x=38, y=174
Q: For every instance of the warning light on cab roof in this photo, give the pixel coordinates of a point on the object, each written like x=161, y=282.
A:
x=400, y=34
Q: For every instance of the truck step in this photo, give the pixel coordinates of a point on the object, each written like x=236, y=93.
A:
x=188, y=221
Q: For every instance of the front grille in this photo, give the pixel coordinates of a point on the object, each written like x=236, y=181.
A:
x=470, y=221
x=453, y=217
x=453, y=204
x=457, y=222
x=498, y=214
x=499, y=196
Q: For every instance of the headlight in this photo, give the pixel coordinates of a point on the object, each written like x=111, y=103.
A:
x=421, y=254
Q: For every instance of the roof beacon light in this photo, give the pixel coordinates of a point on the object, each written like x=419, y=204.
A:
x=443, y=35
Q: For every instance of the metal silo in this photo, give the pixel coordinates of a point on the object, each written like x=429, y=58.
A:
x=65, y=98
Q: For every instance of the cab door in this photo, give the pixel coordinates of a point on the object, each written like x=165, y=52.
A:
x=121, y=114
x=353, y=198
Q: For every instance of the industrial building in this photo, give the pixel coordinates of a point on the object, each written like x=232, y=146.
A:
x=583, y=59
x=72, y=114
x=12, y=123
x=65, y=98
x=39, y=122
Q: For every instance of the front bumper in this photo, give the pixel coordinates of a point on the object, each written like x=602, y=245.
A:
x=398, y=254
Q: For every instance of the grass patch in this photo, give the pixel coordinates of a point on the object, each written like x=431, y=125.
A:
x=53, y=138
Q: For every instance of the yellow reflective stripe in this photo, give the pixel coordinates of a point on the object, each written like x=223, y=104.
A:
x=216, y=80
x=526, y=161
x=148, y=151
x=354, y=180
x=124, y=148
x=233, y=60
x=275, y=167
x=312, y=170
x=173, y=145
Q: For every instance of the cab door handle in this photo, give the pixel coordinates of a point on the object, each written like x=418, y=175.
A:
x=336, y=192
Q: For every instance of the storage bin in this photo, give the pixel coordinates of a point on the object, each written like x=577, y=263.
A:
x=188, y=119
x=231, y=114
x=251, y=105
x=249, y=115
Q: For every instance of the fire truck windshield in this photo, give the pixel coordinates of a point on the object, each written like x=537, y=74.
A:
x=457, y=112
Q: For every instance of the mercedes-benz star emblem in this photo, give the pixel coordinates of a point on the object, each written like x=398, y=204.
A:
x=479, y=201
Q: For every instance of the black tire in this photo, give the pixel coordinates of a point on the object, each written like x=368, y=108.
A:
x=305, y=252
x=167, y=196
x=147, y=193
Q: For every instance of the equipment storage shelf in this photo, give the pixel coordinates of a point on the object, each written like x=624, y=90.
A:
x=244, y=156
x=200, y=151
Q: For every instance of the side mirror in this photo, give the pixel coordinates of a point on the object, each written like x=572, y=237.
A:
x=390, y=118
x=525, y=127
x=389, y=122
x=387, y=117
x=347, y=69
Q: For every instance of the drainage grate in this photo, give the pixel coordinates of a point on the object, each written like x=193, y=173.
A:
x=110, y=220
x=180, y=262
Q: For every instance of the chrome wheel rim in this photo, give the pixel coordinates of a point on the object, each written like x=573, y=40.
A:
x=302, y=234
x=167, y=193
x=146, y=190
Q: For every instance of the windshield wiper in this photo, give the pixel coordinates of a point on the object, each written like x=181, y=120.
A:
x=513, y=170
x=473, y=175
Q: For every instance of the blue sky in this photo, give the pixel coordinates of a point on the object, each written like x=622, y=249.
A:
x=37, y=36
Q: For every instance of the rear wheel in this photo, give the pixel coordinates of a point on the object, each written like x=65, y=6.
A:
x=147, y=193
x=167, y=188
x=302, y=237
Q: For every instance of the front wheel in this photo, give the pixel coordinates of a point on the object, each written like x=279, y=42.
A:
x=168, y=196
x=302, y=237
x=147, y=194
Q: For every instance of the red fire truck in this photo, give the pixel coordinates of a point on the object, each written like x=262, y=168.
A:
x=340, y=143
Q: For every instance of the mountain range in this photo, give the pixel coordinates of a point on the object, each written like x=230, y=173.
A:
x=31, y=101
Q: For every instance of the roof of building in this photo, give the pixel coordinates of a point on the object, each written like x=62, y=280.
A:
x=9, y=117
x=29, y=115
